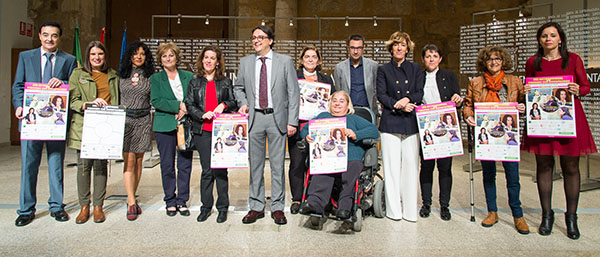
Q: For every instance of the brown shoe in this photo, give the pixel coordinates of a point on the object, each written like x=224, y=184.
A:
x=84, y=214
x=99, y=214
x=252, y=216
x=279, y=217
x=521, y=226
x=490, y=220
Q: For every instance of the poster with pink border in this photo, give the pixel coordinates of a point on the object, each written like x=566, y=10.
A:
x=314, y=98
x=45, y=109
x=229, y=147
x=329, y=149
x=497, y=132
x=439, y=130
x=550, y=107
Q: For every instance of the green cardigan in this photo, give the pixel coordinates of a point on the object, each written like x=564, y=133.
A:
x=164, y=101
x=82, y=88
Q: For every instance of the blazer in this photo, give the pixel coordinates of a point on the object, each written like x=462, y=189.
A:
x=82, y=88
x=283, y=86
x=342, y=79
x=477, y=92
x=447, y=84
x=29, y=69
x=393, y=84
x=195, y=99
x=321, y=77
x=164, y=101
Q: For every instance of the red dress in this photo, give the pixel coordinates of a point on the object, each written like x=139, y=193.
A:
x=583, y=144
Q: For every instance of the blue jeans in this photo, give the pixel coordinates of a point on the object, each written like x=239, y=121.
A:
x=511, y=170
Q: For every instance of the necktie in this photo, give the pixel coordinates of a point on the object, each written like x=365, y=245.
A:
x=263, y=96
x=47, y=68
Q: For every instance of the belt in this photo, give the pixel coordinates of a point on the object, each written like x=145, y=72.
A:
x=265, y=111
x=137, y=113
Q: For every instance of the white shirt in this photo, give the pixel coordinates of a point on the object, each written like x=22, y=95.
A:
x=431, y=94
x=268, y=62
x=44, y=59
x=177, y=87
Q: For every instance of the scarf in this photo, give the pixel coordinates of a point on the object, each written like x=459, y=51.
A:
x=493, y=84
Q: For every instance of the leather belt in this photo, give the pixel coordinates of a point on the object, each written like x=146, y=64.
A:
x=265, y=111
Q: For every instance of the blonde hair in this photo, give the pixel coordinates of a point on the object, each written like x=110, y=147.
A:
x=162, y=48
x=398, y=37
x=347, y=96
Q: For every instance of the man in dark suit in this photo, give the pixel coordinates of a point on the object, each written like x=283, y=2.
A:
x=267, y=90
x=50, y=65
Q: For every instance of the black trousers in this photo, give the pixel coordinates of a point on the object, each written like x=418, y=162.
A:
x=319, y=190
x=209, y=176
x=297, y=168
x=444, y=176
x=172, y=181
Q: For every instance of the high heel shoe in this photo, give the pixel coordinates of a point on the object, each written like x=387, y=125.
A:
x=572, y=229
x=546, y=224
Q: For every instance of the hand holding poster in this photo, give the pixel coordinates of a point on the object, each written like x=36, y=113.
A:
x=329, y=149
x=439, y=130
x=550, y=110
x=313, y=98
x=229, y=141
x=102, y=133
x=45, y=110
x=497, y=132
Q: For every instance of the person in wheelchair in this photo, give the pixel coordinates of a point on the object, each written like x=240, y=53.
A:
x=357, y=129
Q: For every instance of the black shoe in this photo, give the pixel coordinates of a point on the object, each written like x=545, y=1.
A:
x=425, y=211
x=222, y=217
x=547, y=222
x=343, y=214
x=60, y=215
x=203, y=215
x=24, y=219
x=295, y=207
x=172, y=212
x=306, y=208
x=445, y=213
x=572, y=229
x=183, y=210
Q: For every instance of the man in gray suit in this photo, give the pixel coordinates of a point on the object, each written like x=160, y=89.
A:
x=357, y=75
x=267, y=90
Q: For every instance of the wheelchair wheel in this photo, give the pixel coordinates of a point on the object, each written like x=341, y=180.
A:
x=357, y=225
x=379, y=199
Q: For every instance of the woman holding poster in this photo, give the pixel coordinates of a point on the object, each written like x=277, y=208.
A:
x=553, y=59
x=208, y=94
x=496, y=86
x=357, y=129
x=309, y=67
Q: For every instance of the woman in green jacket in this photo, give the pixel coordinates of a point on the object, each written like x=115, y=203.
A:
x=93, y=84
x=168, y=90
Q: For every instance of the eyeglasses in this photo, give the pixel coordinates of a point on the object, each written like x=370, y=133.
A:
x=259, y=38
x=352, y=48
x=494, y=60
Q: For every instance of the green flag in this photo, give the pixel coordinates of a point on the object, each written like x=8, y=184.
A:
x=76, y=47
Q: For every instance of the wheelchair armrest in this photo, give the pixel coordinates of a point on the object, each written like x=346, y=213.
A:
x=369, y=142
x=302, y=145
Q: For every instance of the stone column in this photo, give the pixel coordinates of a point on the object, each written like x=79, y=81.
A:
x=286, y=9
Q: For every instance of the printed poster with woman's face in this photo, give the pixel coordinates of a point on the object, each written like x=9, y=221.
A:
x=439, y=130
x=45, y=110
x=314, y=98
x=229, y=147
x=497, y=132
x=550, y=107
x=329, y=150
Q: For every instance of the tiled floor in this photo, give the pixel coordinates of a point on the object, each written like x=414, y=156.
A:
x=155, y=234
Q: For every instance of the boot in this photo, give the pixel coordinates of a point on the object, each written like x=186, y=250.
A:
x=521, y=226
x=99, y=214
x=84, y=214
x=547, y=222
x=490, y=220
x=572, y=229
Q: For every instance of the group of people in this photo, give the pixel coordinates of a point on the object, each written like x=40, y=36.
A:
x=266, y=89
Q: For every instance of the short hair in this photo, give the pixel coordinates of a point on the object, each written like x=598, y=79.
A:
x=398, y=37
x=164, y=47
x=51, y=24
x=485, y=53
x=303, y=52
x=347, y=96
x=86, y=65
x=430, y=47
x=267, y=30
x=356, y=37
x=219, y=69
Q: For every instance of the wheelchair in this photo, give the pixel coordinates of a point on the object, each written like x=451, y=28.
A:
x=367, y=193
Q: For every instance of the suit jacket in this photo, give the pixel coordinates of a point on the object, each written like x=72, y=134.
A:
x=195, y=99
x=447, y=84
x=164, y=101
x=321, y=77
x=342, y=79
x=284, y=89
x=29, y=69
x=477, y=92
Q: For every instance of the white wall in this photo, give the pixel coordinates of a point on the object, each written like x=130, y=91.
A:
x=11, y=13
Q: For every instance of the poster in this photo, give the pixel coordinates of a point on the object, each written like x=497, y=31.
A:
x=329, y=150
x=497, y=132
x=314, y=98
x=229, y=141
x=439, y=130
x=102, y=135
x=550, y=111
x=45, y=111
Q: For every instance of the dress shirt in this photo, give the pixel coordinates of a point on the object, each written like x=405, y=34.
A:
x=44, y=59
x=431, y=93
x=268, y=62
x=177, y=87
x=357, y=85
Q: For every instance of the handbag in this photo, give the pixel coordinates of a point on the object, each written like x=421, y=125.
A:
x=185, y=135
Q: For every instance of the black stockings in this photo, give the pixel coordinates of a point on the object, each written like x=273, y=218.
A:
x=570, y=170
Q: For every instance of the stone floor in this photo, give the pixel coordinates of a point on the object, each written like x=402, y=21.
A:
x=155, y=234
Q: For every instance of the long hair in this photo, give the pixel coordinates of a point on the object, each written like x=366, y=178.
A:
x=87, y=66
x=219, y=69
x=562, y=47
x=125, y=66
